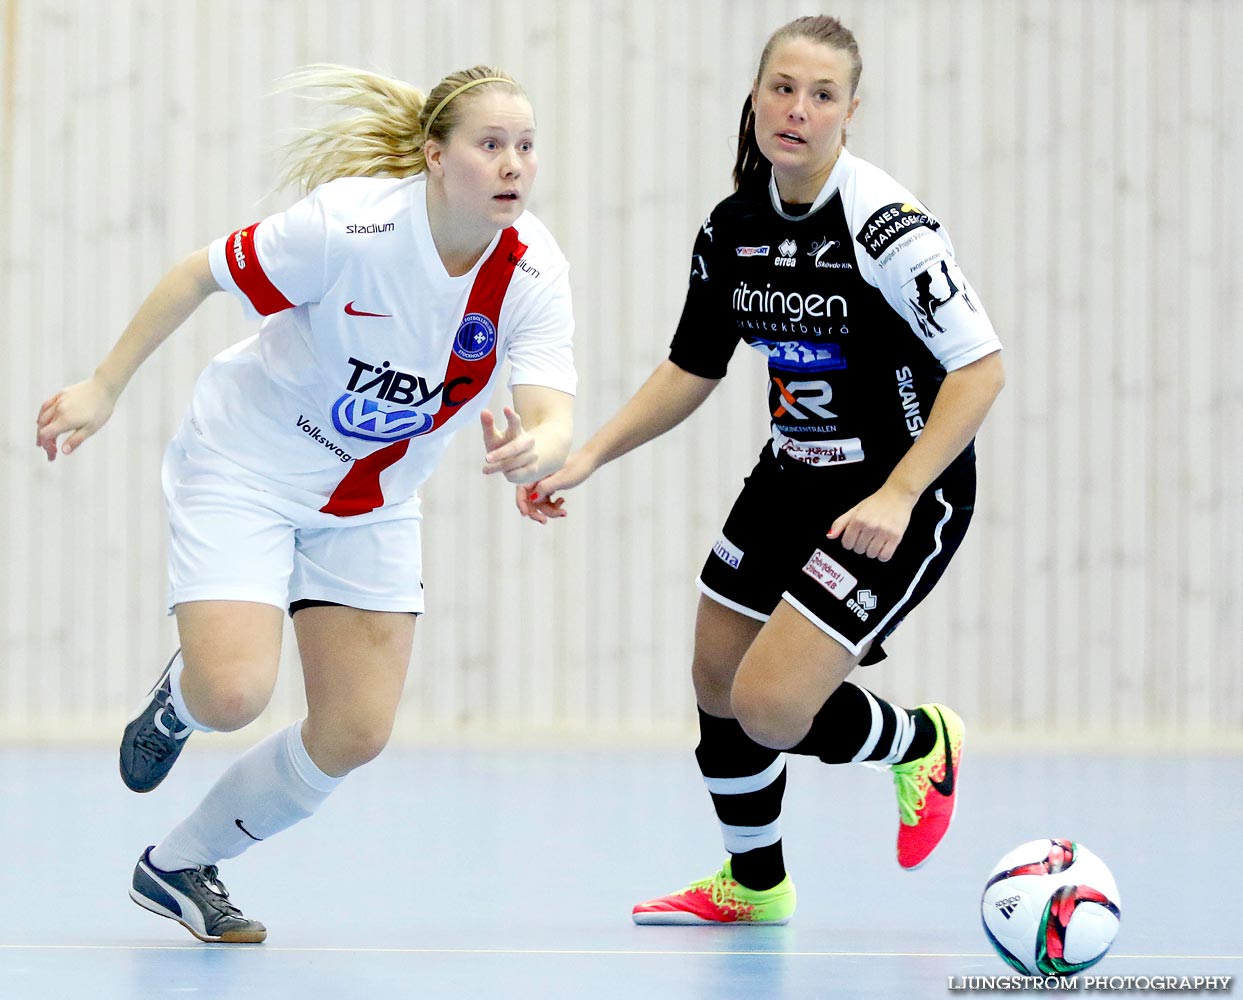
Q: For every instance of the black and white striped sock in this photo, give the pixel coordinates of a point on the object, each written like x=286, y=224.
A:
x=746, y=782
x=855, y=725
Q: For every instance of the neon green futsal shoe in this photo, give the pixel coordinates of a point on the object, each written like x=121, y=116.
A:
x=718, y=899
x=928, y=789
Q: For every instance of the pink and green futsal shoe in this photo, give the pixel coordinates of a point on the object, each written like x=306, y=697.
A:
x=928, y=789
x=718, y=899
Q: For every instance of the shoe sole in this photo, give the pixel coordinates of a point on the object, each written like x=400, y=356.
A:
x=689, y=920
x=229, y=937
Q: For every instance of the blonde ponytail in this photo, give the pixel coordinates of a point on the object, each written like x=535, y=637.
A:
x=389, y=124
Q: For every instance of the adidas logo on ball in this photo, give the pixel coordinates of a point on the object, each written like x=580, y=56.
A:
x=1008, y=906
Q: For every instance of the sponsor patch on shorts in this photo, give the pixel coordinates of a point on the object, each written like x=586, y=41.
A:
x=727, y=552
x=830, y=574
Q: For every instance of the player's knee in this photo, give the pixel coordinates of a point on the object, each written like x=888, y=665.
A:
x=712, y=684
x=351, y=745
x=768, y=716
x=228, y=705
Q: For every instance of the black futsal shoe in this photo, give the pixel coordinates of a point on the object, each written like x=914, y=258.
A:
x=196, y=899
x=154, y=738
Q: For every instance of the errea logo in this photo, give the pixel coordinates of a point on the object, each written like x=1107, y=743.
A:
x=787, y=249
x=863, y=602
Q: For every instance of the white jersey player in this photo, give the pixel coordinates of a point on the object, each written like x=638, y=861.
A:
x=391, y=295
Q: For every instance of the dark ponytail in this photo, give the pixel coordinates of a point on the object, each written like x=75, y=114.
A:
x=751, y=169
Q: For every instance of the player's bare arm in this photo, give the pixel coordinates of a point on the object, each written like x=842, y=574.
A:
x=81, y=409
x=537, y=436
x=876, y=524
x=669, y=396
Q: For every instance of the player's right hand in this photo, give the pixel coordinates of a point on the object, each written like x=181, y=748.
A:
x=77, y=410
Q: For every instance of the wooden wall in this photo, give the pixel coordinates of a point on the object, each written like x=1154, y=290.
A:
x=1079, y=153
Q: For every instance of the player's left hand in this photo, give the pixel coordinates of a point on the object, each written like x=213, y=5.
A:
x=875, y=525
x=512, y=452
x=538, y=509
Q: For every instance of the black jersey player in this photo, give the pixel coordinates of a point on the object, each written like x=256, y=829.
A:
x=882, y=365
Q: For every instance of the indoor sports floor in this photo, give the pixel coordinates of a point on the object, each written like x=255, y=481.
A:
x=510, y=874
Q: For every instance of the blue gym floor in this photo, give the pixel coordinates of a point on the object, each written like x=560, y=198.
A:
x=490, y=874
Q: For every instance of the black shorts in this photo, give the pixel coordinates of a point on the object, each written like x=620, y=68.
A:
x=775, y=545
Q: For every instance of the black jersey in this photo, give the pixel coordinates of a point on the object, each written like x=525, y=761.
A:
x=858, y=305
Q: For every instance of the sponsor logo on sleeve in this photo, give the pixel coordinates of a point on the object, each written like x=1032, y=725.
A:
x=888, y=224
x=830, y=574
x=931, y=291
x=239, y=250
x=909, y=398
x=369, y=228
x=727, y=552
x=522, y=264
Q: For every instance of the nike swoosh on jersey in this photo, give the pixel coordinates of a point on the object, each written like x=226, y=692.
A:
x=946, y=785
x=351, y=311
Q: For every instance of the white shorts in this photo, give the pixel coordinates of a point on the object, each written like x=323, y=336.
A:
x=231, y=540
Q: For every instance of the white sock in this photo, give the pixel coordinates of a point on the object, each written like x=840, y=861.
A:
x=179, y=701
x=271, y=787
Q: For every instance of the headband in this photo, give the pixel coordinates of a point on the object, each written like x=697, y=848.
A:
x=453, y=93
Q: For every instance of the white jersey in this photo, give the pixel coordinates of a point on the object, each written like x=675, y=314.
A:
x=371, y=355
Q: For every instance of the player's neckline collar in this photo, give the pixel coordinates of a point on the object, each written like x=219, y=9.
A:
x=831, y=184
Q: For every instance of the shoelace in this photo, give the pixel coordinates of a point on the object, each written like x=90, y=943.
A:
x=719, y=893
x=208, y=878
x=154, y=743
x=912, y=781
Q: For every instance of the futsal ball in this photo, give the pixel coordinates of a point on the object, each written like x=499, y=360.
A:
x=1050, y=908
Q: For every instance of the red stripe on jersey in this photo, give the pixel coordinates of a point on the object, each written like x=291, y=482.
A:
x=360, y=492
x=486, y=296
x=247, y=272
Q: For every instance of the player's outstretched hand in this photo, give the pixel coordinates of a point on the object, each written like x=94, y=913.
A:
x=77, y=410
x=875, y=525
x=536, y=501
x=531, y=505
x=511, y=452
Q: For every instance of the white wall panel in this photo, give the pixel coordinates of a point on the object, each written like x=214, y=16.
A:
x=1084, y=157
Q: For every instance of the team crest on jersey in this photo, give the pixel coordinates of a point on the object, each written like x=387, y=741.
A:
x=475, y=337
x=359, y=417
